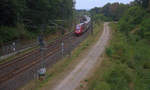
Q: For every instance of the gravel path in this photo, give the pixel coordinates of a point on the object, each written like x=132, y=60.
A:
x=82, y=70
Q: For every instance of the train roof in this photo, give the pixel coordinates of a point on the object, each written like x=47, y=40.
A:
x=80, y=24
x=88, y=19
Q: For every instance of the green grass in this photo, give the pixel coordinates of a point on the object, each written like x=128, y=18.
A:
x=125, y=66
x=63, y=65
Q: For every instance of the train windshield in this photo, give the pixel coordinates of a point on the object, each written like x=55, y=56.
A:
x=78, y=27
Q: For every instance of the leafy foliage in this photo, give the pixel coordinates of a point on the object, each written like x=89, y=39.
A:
x=136, y=28
x=32, y=15
x=128, y=55
x=112, y=11
x=133, y=17
x=133, y=25
x=143, y=3
x=145, y=29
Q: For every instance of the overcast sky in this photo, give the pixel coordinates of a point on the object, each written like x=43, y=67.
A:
x=88, y=4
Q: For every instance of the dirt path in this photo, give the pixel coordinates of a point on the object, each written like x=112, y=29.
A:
x=81, y=71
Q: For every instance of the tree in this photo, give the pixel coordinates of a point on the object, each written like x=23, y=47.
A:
x=32, y=15
x=113, y=11
x=8, y=14
x=143, y=3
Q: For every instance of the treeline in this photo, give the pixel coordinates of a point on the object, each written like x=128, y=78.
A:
x=128, y=63
x=25, y=18
x=110, y=11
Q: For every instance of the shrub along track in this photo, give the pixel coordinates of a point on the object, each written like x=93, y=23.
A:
x=22, y=69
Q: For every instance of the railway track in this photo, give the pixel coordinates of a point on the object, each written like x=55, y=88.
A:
x=21, y=64
x=12, y=68
x=24, y=67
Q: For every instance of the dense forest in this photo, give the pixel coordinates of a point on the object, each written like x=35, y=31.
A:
x=109, y=12
x=26, y=18
x=128, y=64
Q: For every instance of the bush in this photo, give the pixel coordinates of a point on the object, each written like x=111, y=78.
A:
x=145, y=29
x=118, y=77
x=101, y=17
x=8, y=33
x=102, y=86
x=109, y=52
x=133, y=17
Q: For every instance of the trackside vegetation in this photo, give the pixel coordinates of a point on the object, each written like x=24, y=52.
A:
x=126, y=65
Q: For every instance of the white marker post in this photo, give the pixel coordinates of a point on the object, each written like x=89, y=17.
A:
x=14, y=46
x=42, y=72
x=62, y=49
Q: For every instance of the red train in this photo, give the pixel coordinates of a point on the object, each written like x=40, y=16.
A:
x=82, y=27
x=79, y=29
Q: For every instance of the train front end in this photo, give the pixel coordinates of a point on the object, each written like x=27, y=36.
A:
x=78, y=29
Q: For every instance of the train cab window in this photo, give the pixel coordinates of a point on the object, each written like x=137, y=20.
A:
x=78, y=27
